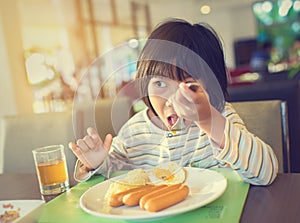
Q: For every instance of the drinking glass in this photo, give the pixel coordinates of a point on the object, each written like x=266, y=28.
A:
x=51, y=168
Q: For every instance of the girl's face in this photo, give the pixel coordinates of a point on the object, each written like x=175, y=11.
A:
x=160, y=89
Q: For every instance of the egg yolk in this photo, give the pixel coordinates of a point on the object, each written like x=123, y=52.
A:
x=164, y=174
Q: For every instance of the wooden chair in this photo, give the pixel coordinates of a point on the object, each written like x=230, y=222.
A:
x=268, y=120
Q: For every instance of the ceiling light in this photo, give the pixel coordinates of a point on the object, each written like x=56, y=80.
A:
x=205, y=9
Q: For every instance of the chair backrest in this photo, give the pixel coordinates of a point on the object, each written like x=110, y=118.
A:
x=22, y=133
x=268, y=120
x=106, y=115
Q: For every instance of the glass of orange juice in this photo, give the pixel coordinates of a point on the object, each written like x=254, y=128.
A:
x=51, y=168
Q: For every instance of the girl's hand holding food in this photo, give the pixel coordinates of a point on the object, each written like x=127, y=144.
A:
x=192, y=103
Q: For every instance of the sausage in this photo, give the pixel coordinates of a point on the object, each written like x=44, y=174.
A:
x=116, y=200
x=166, y=200
x=133, y=198
x=155, y=193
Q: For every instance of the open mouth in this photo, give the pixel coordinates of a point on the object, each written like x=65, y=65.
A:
x=172, y=119
x=175, y=122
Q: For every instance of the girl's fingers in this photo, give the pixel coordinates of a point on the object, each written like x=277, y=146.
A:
x=180, y=104
x=182, y=99
x=89, y=142
x=186, y=92
x=93, y=133
x=189, y=103
x=82, y=145
x=72, y=145
x=94, y=138
x=75, y=149
x=193, y=96
x=107, y=142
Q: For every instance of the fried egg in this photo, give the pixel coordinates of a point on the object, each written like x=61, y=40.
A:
x=167, y=173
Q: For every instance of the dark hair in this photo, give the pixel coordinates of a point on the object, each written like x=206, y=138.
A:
x=169, y=57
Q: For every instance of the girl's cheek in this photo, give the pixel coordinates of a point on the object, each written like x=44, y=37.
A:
x=157, y=103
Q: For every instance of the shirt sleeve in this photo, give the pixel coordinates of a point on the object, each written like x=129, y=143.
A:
x=82, y=174
x=246, y=153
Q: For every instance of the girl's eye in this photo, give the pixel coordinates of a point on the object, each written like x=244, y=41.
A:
x=160, y=84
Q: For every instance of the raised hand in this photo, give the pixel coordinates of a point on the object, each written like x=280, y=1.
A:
x=192, y=104
x=91, y=150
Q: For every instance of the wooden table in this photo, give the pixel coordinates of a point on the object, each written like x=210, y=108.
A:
x=279, y=202
x=23, y=186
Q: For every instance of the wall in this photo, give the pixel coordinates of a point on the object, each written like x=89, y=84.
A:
x=235, y=22
x=16, y=95
x=7, y=102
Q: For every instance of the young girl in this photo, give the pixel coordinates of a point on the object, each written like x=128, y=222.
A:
x=210, y=133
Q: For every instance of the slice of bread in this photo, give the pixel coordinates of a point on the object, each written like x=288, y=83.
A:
x=134, y=178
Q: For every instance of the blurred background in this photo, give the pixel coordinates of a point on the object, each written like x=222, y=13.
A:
x=47, y=45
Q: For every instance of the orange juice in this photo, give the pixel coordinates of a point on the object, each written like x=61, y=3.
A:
x=52, y=172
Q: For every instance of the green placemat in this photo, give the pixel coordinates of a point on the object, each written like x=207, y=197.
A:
x=226, y=209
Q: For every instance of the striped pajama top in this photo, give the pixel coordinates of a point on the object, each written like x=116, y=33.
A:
x=141, y=144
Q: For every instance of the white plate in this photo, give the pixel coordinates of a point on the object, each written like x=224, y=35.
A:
x=205, y=186
x=29, y=210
